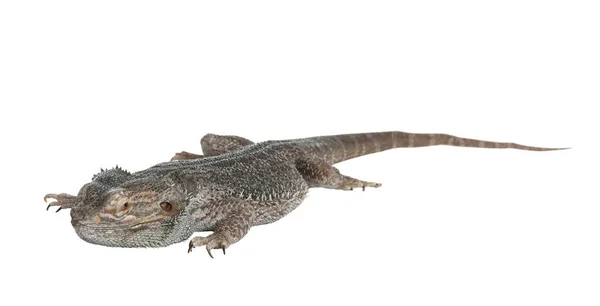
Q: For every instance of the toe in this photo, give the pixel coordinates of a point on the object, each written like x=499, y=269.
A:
x=62, y=200
x=50, y=196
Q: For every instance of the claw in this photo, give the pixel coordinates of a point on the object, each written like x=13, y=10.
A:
x=363, y=187
x=59, y=208
x=48, y=205
x=213, y=241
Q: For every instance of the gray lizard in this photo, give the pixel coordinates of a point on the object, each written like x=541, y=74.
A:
x=234, y=186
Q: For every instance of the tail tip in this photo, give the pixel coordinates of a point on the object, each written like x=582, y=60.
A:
x=556, y=149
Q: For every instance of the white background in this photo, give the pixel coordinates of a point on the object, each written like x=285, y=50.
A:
x=85, y=85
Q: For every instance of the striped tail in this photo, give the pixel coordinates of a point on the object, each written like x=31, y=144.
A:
x=338, y=148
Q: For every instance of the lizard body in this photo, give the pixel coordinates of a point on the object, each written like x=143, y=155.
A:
x=236, y=185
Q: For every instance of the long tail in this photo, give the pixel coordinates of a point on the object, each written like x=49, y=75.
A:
x=338, y=148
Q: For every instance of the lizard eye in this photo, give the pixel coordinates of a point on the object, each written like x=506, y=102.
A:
x=166, y=206
x=125, y=206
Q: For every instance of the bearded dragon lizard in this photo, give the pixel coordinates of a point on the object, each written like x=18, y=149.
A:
x=234, y=186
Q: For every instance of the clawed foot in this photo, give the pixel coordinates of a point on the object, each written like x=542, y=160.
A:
x=185, y=155
x=63, y=200
x=354, y=183
x=214, y=241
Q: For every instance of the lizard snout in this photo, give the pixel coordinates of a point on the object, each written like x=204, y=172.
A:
x=78, y=216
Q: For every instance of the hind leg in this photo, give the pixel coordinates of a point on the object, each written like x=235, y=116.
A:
x=319, y=173
x=215, y=145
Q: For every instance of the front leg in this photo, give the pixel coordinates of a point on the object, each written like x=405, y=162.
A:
x=215, y=145
x=186, y=155
x=227, y=232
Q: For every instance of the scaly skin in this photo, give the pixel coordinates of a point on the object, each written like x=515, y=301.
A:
x=235, y=185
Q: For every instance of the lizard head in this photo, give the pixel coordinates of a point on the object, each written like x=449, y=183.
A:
x=117, y=209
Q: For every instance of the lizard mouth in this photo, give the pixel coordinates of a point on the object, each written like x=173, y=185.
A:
x=112, y=226
x=148, y=232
